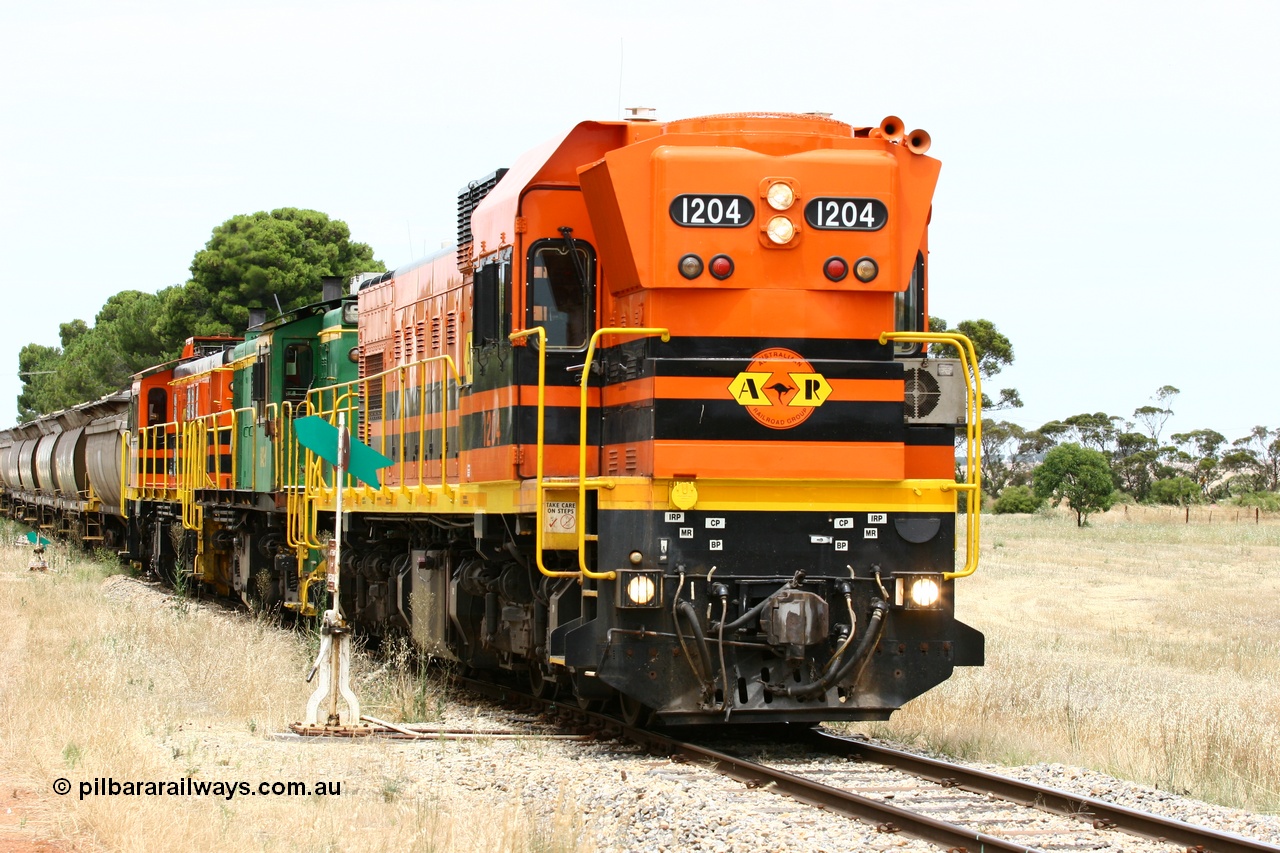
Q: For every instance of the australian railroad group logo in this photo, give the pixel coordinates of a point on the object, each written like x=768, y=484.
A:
x=779, y=388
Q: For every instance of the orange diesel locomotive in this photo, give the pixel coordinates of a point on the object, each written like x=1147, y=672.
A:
x=664, y=428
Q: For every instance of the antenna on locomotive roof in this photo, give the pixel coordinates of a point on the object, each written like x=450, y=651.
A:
x=279, y=310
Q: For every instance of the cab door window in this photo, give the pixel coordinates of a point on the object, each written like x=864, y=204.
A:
x=561, y=292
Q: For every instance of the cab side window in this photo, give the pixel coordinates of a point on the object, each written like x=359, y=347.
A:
x=492, y=305
x=297, y=371
x=908, y=307
x=561, y=292
x=157, y=404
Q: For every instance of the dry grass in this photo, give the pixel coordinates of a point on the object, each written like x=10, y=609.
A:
x=1140, y=645
x=140, y=688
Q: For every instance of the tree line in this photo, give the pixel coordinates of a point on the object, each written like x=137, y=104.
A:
x=1089, y=461
x=274, y=260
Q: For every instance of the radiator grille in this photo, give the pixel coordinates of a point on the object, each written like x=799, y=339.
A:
x=469, y=197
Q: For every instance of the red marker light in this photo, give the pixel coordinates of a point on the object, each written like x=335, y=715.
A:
x=835, y=269
x=722, y=266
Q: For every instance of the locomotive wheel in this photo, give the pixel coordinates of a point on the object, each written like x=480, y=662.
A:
x=634, y=712
x=540, y=684
x=595, y=706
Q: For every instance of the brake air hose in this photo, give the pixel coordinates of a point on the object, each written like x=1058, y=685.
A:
x=875, y=627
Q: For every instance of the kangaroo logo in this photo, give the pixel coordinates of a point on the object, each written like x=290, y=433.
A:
x=779, y=388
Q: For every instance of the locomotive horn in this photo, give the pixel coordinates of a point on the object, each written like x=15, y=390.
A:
x=891, y=128
x=918, y=141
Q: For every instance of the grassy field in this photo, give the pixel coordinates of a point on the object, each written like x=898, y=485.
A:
x=1140, y=645
x=109, y=679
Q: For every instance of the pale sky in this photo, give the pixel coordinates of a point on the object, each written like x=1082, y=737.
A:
x=1107, y=185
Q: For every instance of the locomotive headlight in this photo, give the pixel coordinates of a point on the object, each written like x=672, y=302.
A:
x=353, y=355
x=924, y=592
x=639, y=589
x=781, y=230
x=918, y=592
x=350, y=313
x=780, y=195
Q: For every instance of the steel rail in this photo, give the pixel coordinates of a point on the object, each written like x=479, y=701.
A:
x=883, y=816
x=1102, y=814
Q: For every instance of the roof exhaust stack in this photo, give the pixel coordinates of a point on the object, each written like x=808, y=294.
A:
x=257, y=316
x=331, y=288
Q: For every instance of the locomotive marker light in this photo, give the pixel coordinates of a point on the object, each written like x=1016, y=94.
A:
x=835, y=269
x=691, y=266
x=866, y=269
x=721, y=267
x=339, y=449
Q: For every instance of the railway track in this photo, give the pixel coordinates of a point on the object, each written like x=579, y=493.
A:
x=953, y=806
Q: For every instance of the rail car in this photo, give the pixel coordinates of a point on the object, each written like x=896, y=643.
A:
x=663, y=424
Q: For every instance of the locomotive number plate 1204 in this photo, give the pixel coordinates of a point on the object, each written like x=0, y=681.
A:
x=697, y=210
x=846, y=214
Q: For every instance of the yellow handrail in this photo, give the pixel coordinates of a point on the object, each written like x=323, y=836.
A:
x=190, y=472
x=973, y=435
x=542, y=406
x=582, y=440
x=343, y=397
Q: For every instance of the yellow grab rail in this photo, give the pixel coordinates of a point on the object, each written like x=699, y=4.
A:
x=973, y=435
x=346, y=399
x=538, y=477
x=190, y=472
x=582, y=440
x=422, y=419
